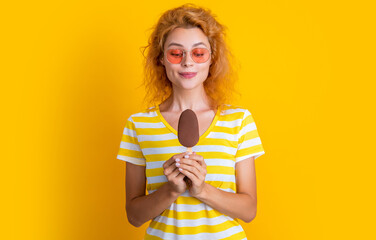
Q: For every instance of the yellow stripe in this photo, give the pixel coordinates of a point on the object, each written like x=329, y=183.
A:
x=191, y=215
x=220, y=142
x=129, y=125
x=130, y=153
x=154, y=172
x=250, y=135
x=152, y=131
x=151, y=237
x=220, y=155
x=250, y=150
x=129, y=139
x=233, y=116
x=220, y=170
x=233, y=130
x=248, y=119
x=187, y=200
x=160, y=143
x=146, y=119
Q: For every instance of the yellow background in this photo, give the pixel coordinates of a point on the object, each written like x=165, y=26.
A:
x=70, y=72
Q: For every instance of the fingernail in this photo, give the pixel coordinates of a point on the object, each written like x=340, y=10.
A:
x=177, y=164
x=177, y=160
x=186, y=156
x=180, y=169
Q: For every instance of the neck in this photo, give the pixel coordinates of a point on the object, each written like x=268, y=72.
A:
x=180, y=100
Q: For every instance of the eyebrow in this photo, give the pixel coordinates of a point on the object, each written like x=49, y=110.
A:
x=194, y=45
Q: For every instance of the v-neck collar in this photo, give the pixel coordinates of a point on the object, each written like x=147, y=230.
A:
x=173, y=130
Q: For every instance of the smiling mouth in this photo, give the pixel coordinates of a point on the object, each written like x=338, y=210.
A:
x=188, y=75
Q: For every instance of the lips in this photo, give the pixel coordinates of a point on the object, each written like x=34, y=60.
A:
x=188, y=74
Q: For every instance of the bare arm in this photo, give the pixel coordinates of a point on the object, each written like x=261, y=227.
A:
x=242, y=204
x=140, y=207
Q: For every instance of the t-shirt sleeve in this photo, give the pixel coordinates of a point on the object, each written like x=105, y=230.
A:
x=130, y=150
x=249, y=142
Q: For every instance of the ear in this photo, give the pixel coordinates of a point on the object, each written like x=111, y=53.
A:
x=162, y=61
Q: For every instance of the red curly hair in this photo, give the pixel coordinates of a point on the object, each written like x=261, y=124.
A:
x=220, y=83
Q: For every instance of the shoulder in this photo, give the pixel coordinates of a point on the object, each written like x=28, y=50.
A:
x=144, y=115
x=234, y=111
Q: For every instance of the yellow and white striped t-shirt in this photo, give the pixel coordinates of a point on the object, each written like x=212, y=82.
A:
x=148, y=140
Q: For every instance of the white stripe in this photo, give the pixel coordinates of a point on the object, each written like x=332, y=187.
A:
x=157, y=179
x=229, y=124
x=234, y=110
x=208, y=177
x=197, y=148
x=219, y=162
x=130, y=146
x=137, y=161
x=220, y=177
x=214, y=148
x=153, y=165
x=149, y=125
x=247, y=128
x=156, y=137
x=190, y=207
x=246, y=114
x=145, y=114
x=225, y=136
x=250, y=143
x=163, y=150
x=172, y=236
x=250, y=155
x=192, y=222
x=129, y=132
x=227, y=190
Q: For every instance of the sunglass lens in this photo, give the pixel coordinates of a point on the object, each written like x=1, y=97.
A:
x=174, y=55
x=200, y=55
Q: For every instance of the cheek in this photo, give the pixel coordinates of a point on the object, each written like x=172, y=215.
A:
x=170, y=72
x=205, y=70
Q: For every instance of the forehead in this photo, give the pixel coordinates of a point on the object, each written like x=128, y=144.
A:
x=187, y=37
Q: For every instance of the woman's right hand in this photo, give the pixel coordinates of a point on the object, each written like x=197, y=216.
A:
x=174, y=176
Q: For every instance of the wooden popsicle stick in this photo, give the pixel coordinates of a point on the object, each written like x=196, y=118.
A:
x=189, y=149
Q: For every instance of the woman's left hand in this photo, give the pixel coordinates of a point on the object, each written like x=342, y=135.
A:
x=194, y=168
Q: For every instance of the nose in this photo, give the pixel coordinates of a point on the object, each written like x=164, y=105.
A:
x=187, y=60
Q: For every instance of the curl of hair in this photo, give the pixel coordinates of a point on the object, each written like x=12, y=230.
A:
x=220, y=83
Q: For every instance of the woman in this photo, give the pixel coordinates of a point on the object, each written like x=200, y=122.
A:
x=187, y=67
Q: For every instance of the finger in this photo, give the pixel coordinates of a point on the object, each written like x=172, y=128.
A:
x=171, y=168
x=168, y=171
x=200, y=159
x=175, y=173
x=190, y=175
x=193, y=170
x=173, y=158
x=193, y=164
x=180, y=176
